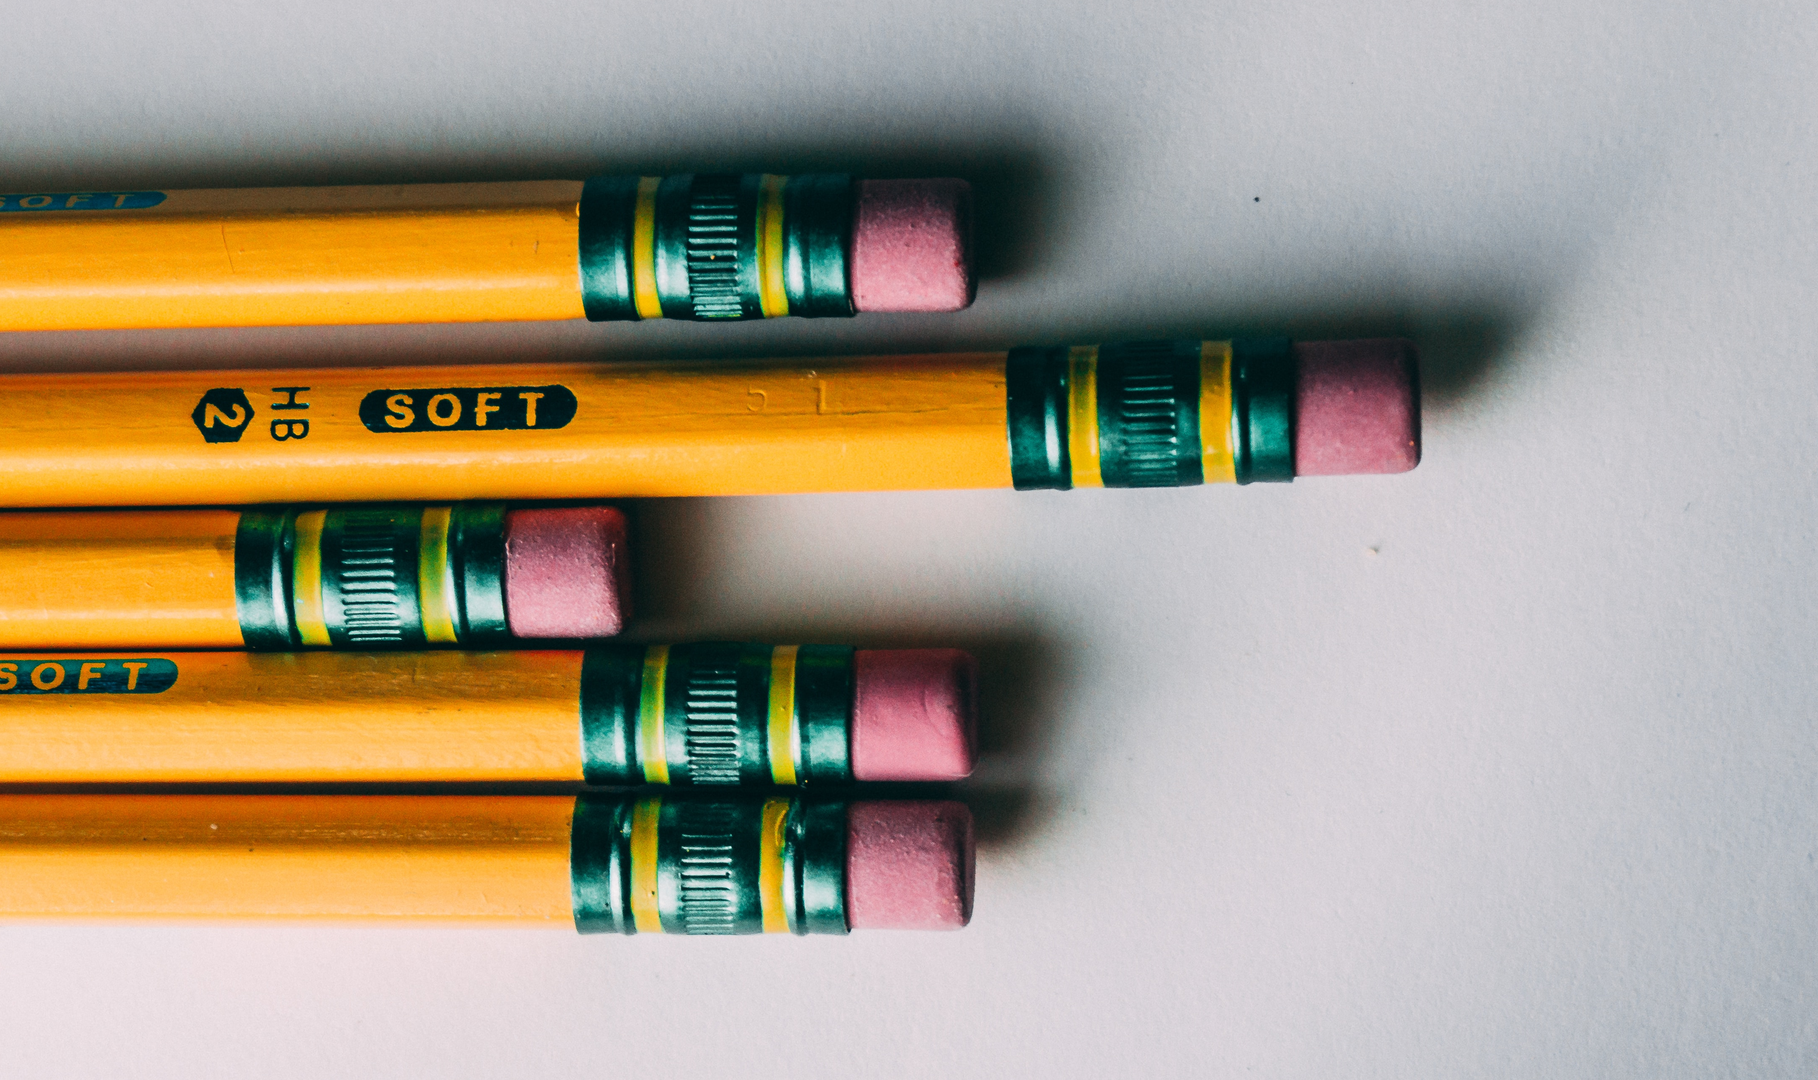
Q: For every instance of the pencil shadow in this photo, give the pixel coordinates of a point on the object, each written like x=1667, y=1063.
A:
x=1461, y=352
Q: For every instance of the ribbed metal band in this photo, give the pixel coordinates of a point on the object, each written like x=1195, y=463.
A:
x=1035, y=392
x=369, y=577
x=1263, y=379
x=715, y=714
x=706, y=247
x=476, y=546
x=817, y=236
x=608, y=210
x=262, y=578
x=1148, y=414
x=716, y=707
x=707, y=873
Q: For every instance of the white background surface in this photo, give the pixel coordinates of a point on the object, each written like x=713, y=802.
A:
x=1503, y=768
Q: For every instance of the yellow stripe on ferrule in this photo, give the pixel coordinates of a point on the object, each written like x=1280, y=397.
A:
x=770, y=866
x=643, y=251
x=782, y=732
x=646, y=915
x=653, y=746
x=1218, y=454
x=1082, y=415
x=306, y=579
x=773, y=296
x=435, y=577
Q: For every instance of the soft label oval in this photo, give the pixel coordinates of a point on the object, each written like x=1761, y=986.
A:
x=468, y=408
x=81, y=200
x=135, y=675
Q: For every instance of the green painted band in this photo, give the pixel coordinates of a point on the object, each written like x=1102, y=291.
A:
x=476, y=547
x=262, y=569
x=611, y=679
x=1263, y=376
x=599, y=864
x=814, y=868
x=608, y=215
x=823, y=708
x=1035, y=396
x=817, y=235
x=1148, y=414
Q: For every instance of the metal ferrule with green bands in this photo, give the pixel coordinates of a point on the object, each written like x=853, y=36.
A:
x=716, y=246
x=1140, y=411
x=678, y=865
x=361, y=578
x=717, y=713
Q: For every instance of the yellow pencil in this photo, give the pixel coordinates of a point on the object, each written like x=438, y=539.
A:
x=706, y=247
x=1132, y=415
x=703, y=713
x=596, y=863
x=476, y=575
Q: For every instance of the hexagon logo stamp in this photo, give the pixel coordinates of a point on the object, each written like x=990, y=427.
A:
x=223, y=414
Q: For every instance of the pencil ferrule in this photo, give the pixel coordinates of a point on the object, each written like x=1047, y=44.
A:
x=1151, y=414
x=372, y=577
x=723, y=714
x=711, y=247
x=675, y=864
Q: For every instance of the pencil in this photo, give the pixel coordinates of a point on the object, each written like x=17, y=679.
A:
x=474, y=575
x=703, y=247
x=708, y=713
x=594, y=863
x=1149, y=414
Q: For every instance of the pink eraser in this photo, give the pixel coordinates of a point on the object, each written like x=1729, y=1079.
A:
x=1357, y=407
x=914, y=714
x=566, y=573
x=912, y=245
x=908, y=865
